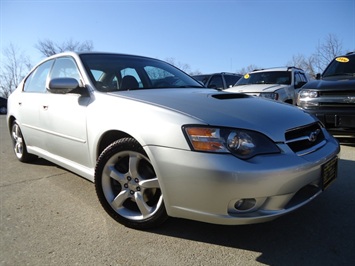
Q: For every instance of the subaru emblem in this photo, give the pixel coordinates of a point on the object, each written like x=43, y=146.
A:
x=313, y=136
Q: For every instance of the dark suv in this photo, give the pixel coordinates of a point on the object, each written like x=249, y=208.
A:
x=220, y=81
x=332, y=96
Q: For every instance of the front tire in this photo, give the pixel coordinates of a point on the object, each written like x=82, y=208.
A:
x=19, y=145
x=127, y=186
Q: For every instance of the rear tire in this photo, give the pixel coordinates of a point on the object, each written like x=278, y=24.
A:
x=127, y=186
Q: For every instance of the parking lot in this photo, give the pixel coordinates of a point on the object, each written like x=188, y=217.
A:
x=50, y=216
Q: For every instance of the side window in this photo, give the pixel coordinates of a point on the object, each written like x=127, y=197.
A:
x=297, y=78
x=36, y=82
x=216, y=82
x=231, y=80
x=303, y=77
x=300, y=79
x=65, y=68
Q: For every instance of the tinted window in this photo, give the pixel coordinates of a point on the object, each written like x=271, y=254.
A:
x=344, y=65
x=300, y=77
x=231, y=80
x=216, y=82
x=36, y=82
x=202, y=78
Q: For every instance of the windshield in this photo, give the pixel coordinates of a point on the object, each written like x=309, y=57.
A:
x=344, y=65
x=112, y=72
x=267, y=77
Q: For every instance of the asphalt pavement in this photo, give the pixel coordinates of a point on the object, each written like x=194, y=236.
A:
x=50, y=216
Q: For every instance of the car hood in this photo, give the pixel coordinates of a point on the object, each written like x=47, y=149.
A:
x=256, y=88
x=226, y=109
x=331, y=84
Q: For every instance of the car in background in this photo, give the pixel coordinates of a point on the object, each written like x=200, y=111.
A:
x=3, y=105
x=156, y=143
x=281, y=84
x=331, y=98
x=219, y=81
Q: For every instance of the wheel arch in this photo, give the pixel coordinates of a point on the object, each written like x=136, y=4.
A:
x=109, y=137
x=10, y=122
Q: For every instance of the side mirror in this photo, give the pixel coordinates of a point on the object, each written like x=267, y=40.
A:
x=318, y=76
x=63, y=85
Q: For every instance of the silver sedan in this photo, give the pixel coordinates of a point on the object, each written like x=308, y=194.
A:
x=158, y=144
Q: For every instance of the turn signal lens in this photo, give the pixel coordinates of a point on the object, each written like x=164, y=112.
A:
x=205, y=139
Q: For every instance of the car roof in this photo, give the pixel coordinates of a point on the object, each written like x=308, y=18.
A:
x=276, y=69
x=223, y=73
x=75, y=53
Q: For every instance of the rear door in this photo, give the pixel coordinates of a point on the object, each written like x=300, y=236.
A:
x=32, y=102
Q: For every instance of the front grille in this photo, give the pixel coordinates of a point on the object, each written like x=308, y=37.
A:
x=337, y=93
x=303, y=139
x=337, y=104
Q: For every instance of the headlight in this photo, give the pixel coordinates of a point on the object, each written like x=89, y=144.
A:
x=242, y=143
x=308, y=94
x=269, y=95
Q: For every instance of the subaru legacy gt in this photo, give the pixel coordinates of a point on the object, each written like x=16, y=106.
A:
x=157, y=144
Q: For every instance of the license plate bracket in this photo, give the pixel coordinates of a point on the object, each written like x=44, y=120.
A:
x=329, y=172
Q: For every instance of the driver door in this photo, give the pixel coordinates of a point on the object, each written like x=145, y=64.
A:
x=65, y=117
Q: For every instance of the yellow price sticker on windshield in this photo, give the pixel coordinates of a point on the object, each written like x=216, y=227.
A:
x=246, y=76
x=342, y=59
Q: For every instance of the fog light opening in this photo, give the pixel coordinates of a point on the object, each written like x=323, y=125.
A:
x=245, y=204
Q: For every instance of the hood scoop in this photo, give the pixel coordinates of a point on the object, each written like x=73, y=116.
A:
x=229, y=96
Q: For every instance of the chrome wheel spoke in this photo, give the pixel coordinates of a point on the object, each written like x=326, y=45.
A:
x=143, y=207
x=116, y=175
x=18, y=142
x=150, y=183
x=133, y=165
x=120, y=199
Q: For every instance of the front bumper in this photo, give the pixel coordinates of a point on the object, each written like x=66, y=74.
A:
x=207, y=187
x=337, y=122
x=340, y=121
